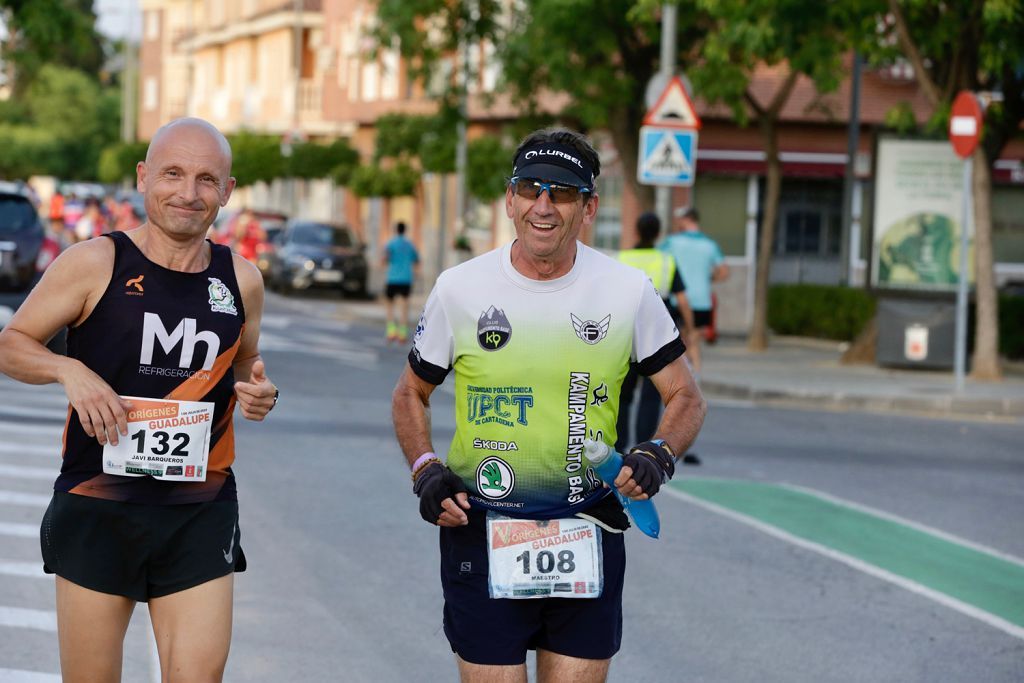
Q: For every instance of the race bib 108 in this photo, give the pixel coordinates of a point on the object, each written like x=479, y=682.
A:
x=166, y=439
x=555, y=558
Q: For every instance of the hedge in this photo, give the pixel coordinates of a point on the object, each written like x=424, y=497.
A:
x=819, y=311
x=842, y=312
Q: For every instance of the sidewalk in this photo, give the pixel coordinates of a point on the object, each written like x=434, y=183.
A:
x=807, y=372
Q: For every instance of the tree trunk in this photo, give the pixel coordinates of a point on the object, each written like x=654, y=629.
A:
x=758, y=338
x=627, y=142
x=985, y=361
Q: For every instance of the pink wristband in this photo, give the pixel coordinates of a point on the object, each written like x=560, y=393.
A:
x=422, y=459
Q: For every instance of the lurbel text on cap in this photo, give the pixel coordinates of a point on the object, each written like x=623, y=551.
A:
x=552, y=152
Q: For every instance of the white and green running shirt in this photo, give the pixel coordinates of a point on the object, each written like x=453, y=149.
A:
x=538, y=368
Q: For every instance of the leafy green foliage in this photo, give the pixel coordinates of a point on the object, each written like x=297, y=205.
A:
x=488, y=164
x=117, y=162
x=819, y=311
x=371, y=180
x=408, y=138
x=80, y=116
x=54, y=32
x=27, y=151
x=312, y=160
x=256, y=158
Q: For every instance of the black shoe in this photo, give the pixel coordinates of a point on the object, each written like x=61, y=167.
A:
x=691, y=458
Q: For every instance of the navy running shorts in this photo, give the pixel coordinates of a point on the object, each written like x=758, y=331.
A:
x=136, y=550
x=499, y=632
x=392, y=290
x=701, y=318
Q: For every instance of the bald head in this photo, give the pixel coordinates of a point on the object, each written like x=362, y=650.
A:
x=193, y=129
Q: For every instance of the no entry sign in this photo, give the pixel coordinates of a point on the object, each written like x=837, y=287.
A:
x=965, y=124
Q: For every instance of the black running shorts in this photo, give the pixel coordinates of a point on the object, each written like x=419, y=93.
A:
x=701, y=318
x=391, y=290
x=136, y=550
x=499, y=632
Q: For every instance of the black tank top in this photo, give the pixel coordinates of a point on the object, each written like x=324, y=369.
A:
x=159, y=333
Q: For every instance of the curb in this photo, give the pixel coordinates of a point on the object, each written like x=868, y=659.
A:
x=944, y=405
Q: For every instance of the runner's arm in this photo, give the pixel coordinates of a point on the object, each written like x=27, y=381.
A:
x=685, y=407
x=255, y=393
x=66, y=295
x=410, y=412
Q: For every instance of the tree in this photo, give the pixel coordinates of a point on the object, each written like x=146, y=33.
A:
x=977, y=46
x=800, y=38
x=594, y=57
x=82, y=117
x=55, y=32
x=488, y=162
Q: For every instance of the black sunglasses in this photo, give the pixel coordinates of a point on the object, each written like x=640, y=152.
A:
x=531, y=188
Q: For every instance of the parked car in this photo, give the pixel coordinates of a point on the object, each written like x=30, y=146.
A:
x=22, y=237
x=313, y=254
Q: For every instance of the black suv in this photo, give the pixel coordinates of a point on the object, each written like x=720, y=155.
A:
x=21, y=237
x=324, y=255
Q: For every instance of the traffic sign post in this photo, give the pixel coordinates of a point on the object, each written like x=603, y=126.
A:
x=965, y=123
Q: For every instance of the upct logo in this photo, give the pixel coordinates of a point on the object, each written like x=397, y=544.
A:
x=185, y=333
x=135, y=282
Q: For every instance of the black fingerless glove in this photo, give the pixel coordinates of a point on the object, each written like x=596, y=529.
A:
x=433, y=484
x=653, y=463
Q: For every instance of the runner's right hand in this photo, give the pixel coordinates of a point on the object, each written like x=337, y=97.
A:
x=102, y=412
x=441, y=494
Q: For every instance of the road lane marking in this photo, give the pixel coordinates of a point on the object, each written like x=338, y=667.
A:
x=25, y=472
x=30, y=449
x=51, y=414
x=51, y=429
x=973, y=582
x=20, y=617
x=22, y=676
x=29, y=499
x=19, y=530
x=32, y=570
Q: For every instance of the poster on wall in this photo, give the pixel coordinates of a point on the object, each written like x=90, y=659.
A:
x=918, y=194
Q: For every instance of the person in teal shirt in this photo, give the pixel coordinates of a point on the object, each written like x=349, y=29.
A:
x=401, y=259
x=700, y=262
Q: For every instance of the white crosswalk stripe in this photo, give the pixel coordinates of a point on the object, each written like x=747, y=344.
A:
x=20, y=617
x=22, y=676
x=19, y=530
x=27, y=499
x=35, y=450
x=23, y=472
x=312, y=336
x=32, y=570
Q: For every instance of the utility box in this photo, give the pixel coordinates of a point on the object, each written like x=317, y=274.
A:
x=916, y=333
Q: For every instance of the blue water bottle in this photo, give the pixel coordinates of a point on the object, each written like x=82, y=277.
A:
x=608, y=462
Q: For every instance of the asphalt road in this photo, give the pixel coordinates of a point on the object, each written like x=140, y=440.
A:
x=342, y=582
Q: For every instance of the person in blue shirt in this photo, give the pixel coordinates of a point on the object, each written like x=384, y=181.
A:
x=401, y=259
x=700, y=262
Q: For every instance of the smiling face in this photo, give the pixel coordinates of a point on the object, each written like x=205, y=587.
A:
x=185, y=178
x=546, y=232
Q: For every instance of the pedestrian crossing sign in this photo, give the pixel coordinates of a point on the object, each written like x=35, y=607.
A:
x=668, y=156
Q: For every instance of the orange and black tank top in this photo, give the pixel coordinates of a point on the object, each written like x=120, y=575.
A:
x=159, y=333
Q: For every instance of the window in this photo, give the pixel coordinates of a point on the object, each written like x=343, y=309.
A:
x=149, y=94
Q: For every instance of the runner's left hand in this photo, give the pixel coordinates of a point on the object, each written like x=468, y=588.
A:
x=256, y=397
x=645, y=468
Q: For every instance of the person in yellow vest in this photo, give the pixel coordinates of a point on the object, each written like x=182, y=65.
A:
x=660, y=267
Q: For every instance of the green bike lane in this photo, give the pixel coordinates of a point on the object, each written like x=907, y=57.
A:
x=976, y=581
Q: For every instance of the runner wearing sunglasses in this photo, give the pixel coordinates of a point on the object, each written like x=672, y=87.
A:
x=540, y=334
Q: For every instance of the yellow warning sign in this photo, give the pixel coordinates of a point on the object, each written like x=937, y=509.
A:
x=673, y=108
